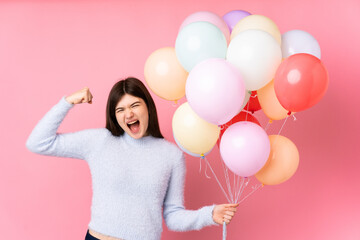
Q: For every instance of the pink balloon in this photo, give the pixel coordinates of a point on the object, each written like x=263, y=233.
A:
x=205, y=16
x=215, y=90
x=245, y=148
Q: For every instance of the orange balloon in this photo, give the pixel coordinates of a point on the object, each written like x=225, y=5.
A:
x=164, y=74
x=282, y=163
x=270, y=104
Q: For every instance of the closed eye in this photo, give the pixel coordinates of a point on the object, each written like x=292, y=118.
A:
x=135, y=104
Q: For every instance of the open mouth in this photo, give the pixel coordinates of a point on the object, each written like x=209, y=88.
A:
x=134, y=126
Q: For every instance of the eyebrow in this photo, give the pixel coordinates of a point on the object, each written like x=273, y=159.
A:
x=130, y=105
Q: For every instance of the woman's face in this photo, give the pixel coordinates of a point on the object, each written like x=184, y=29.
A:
x=132, y=115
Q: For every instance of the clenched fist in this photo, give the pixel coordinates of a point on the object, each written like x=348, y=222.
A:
x=224, y=213
x=82, y=96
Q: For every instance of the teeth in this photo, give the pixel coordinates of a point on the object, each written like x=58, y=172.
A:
x=132, y=122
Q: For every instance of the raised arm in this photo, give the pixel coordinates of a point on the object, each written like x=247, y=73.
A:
x=82, y=96
x=44, y=138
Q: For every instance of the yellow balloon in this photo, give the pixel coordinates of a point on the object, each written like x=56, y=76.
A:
x=270, y=104
x=259, y=22
x=282, y=163
x=192, y=132
x=164, y=74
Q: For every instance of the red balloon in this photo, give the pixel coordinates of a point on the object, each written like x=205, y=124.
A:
x=253, y=104
x=238, y=118
x=300, y=82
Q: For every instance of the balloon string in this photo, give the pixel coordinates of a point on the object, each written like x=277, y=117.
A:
x=241, y=183
x=254, y=190
x=238, y=185
x=207, y=162
x=245, y=181
x=227, y=178
x=277, y=136
x=268, y=125
x=247, y=109
x=224, y=231
x=235, y=183
x=207, y=176
x=226, y=172
x=200, y=164
x=283, y=125
x=203, y=157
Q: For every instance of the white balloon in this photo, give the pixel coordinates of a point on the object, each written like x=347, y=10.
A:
x=298, y=41
x=257, y=55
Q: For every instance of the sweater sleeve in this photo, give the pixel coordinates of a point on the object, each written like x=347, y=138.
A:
x=45, y=140
x=175, y=215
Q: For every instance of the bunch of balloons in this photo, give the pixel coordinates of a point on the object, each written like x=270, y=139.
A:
x=232, y=63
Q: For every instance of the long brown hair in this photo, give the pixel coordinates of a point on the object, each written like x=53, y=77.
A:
x=134, y=87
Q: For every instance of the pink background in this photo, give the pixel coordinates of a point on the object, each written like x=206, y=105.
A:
x=52, y=48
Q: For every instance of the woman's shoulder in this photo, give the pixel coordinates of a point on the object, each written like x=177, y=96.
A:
x=96, y=133
x=168, y=144
x=101, y=131
x=171, y=148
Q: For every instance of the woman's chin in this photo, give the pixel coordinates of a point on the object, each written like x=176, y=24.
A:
x=137, y=135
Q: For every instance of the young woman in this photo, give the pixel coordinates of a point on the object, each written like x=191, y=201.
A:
x=137, y=175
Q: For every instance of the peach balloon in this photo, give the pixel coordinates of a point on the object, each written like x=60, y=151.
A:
x=258, y=22
x=165, y=75
x=192, y=132
x=270, y=104
x=282, y=163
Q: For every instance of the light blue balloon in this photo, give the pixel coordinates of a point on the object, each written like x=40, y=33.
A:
x=198, y=41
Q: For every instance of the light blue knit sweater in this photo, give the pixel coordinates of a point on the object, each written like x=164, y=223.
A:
x=134, y=180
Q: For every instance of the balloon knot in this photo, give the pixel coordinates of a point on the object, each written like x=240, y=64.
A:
x=270, y=121
x=289, y=113
x=202, y=156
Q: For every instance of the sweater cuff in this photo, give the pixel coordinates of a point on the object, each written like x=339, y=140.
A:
x=207, y=212
x=65, y=103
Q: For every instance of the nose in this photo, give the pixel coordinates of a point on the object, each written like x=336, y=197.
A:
x=129, y=114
